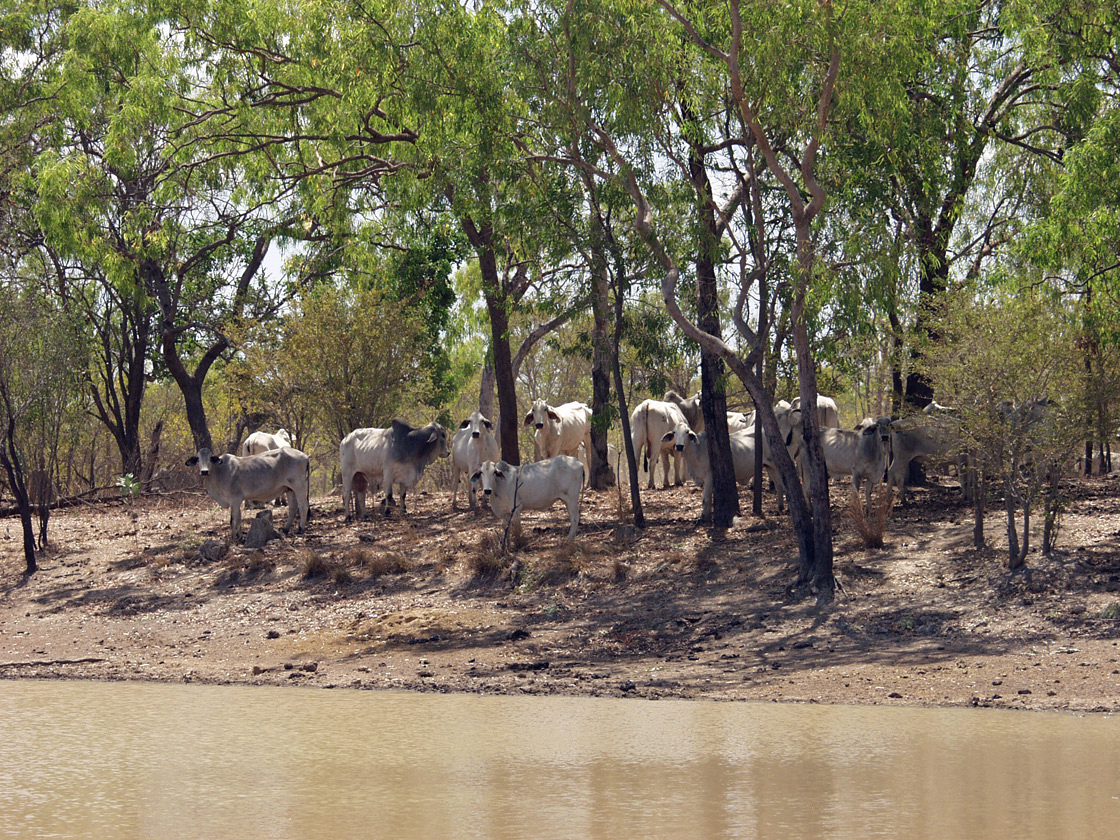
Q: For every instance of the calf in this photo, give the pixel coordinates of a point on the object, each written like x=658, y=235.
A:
x=231, y=480
x=561, y=429
x=474, y=443
x=382, y=457
x=532, y=487
x=649, y=424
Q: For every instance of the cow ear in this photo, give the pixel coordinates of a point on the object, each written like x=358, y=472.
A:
x=872, y=429
x=692, y=437
x=668, y=436
x=553, y=415
x=477, y=476
x=465, y=423
x=433, y=436
x=214, y=459
x=529, y=419
x=487, y=423
x=191, y=461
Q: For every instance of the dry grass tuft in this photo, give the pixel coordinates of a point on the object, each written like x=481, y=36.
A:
x=312, y=564
x=872, y=526
x=488, y=561
x=377, y=563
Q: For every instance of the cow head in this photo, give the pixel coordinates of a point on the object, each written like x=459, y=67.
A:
x=492, y=475
x=476, y=422
x=540, y=414
x=205, y=458
x=680, y=437
x=284, y=437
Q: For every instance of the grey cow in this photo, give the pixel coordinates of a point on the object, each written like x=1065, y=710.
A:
x=231, y=480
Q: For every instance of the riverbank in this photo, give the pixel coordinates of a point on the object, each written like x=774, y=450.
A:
x=151, y=591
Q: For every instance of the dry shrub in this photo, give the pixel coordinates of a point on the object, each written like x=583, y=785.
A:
x=488, y=560
x=619, y=570
x=872, y=526
x=312, y=564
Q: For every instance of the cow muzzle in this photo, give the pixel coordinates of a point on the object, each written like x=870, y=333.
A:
x=540, y=425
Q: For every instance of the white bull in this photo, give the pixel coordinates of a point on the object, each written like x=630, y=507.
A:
x=380, y=458
x=473, y=444
x=231, y=480
x=532, y=487
x=559, y=430
x=828, y=415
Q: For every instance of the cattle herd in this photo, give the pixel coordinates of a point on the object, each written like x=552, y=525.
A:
x=377, y=459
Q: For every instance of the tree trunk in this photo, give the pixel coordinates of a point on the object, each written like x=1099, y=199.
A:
x=713, y=394
x=602, y=476
x=18, y=486
x=623, y=410
x=975, y=480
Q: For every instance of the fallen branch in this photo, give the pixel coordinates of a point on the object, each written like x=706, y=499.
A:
x=41, y=662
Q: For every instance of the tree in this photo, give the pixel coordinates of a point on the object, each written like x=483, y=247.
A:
x=39, y=367
x=1008, y=364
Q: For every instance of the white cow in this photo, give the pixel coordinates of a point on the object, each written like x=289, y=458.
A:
x=828, y=415
x=532, y=487
x=561, y=429
x=474, y=443
x=379, y=458
x=649, y=424
x=259, y=442
x=694, y=449
x=231, y=480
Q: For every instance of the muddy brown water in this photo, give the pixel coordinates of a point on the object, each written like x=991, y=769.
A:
x=130, y=760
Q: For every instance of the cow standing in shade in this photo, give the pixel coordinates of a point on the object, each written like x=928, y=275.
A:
x=231, y=480
x=559, y=430
x=379, y=458
x=260, y=442
x=474, y=443
x=533, y=487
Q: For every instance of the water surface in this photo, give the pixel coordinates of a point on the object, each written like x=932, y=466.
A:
x=129, y=760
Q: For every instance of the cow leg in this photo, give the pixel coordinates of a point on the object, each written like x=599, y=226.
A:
x=677, y=459
x=235, y=519
x=290, y=498
x=664, y=470
x=455, y=486
x=402, y=501
x=573, y=516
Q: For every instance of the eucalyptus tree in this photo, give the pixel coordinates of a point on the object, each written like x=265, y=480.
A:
x=1074, y=240
x=40, y=355
x=792, y=76
x=147, y=227
x=979, y=76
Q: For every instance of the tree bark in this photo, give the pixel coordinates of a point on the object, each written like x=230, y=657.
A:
x=602, y=476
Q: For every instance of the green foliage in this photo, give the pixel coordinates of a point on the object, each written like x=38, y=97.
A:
x=345, y=355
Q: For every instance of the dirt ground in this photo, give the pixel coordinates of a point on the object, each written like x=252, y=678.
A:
x=152, y=591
